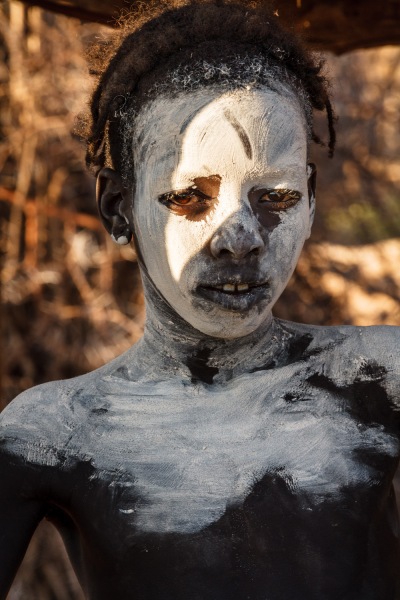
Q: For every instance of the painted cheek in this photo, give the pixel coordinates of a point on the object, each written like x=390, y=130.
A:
x=285, y=242
x=187, y=240
x=150, y=226
x=184, y=241
x=296, y=215
x=269, y=219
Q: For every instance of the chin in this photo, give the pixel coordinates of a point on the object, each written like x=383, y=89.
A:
x=231, y=326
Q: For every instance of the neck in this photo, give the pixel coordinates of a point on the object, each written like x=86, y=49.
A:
x=174, y=347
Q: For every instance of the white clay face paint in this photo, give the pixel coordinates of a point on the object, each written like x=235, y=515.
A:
x=200, y=135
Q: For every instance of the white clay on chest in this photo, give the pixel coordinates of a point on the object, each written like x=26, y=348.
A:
x=191, y=454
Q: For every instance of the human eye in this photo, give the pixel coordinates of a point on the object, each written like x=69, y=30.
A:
x=188, y=201
x=279, y=199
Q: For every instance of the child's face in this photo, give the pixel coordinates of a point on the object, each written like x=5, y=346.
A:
x=222, y=206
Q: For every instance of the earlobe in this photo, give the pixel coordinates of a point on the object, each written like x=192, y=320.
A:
x=113, y=204
x=311, y=182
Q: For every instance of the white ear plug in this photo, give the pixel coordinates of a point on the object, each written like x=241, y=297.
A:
x=122, y=240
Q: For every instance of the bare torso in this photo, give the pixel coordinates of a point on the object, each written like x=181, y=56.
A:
x=274, y=485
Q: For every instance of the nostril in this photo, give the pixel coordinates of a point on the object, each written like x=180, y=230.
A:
x=236, y=242
x=239, y=252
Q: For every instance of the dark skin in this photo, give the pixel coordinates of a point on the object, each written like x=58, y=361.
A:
x=294, y=540
x=211, y=469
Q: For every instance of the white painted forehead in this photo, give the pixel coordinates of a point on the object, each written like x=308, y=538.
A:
x=171, y=117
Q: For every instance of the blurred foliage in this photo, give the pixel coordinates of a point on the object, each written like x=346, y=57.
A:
x=71, y=300
x=337, y=284
x=359, y=190
x=64, y=287
x=365, y=221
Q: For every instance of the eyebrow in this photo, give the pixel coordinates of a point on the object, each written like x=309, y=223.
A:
x=240, y=131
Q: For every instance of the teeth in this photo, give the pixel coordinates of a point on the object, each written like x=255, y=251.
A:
x=231, y=287
x=228, y=287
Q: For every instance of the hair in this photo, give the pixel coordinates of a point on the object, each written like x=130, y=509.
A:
x=198, y=43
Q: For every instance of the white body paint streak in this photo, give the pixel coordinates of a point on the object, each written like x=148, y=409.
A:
x=190, y=136
x=196, y=454
x=192, y=451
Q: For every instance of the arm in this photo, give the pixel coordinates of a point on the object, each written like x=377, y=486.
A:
x=28, y=463
x=20, y=513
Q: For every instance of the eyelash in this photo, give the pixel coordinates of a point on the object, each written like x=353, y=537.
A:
x=286, y=198
x=172, y=198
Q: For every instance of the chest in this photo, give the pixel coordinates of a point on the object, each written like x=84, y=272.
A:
x=178, y=459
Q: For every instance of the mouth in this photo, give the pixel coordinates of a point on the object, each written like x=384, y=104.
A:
x=236, y=296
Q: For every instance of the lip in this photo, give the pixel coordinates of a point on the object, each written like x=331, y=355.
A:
x=240, y=301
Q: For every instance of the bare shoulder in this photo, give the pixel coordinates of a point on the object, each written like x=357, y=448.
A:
x=380, y=343
x=361, y=360
x=52, y=410
x=377, y=345
x=51, y=424
x=39, y=423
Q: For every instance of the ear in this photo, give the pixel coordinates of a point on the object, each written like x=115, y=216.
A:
x=312, y=183
x=114, y=205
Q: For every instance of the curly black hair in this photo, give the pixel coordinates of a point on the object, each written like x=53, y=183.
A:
x=151, y=45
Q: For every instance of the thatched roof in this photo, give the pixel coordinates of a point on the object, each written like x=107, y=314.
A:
x=334, y=25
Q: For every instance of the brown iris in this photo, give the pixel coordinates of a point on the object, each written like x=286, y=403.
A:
x=278, y=199
x=268, y=204
x=195, y=200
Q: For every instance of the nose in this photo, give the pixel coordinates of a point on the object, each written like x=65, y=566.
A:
x=238, y=237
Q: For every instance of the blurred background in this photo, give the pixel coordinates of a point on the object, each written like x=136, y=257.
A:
x=72, y=300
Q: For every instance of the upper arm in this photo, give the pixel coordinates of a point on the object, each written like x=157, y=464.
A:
x=30, y=439
x=20, y=512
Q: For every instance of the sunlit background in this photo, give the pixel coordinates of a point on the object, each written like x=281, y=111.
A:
x=71, y=300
